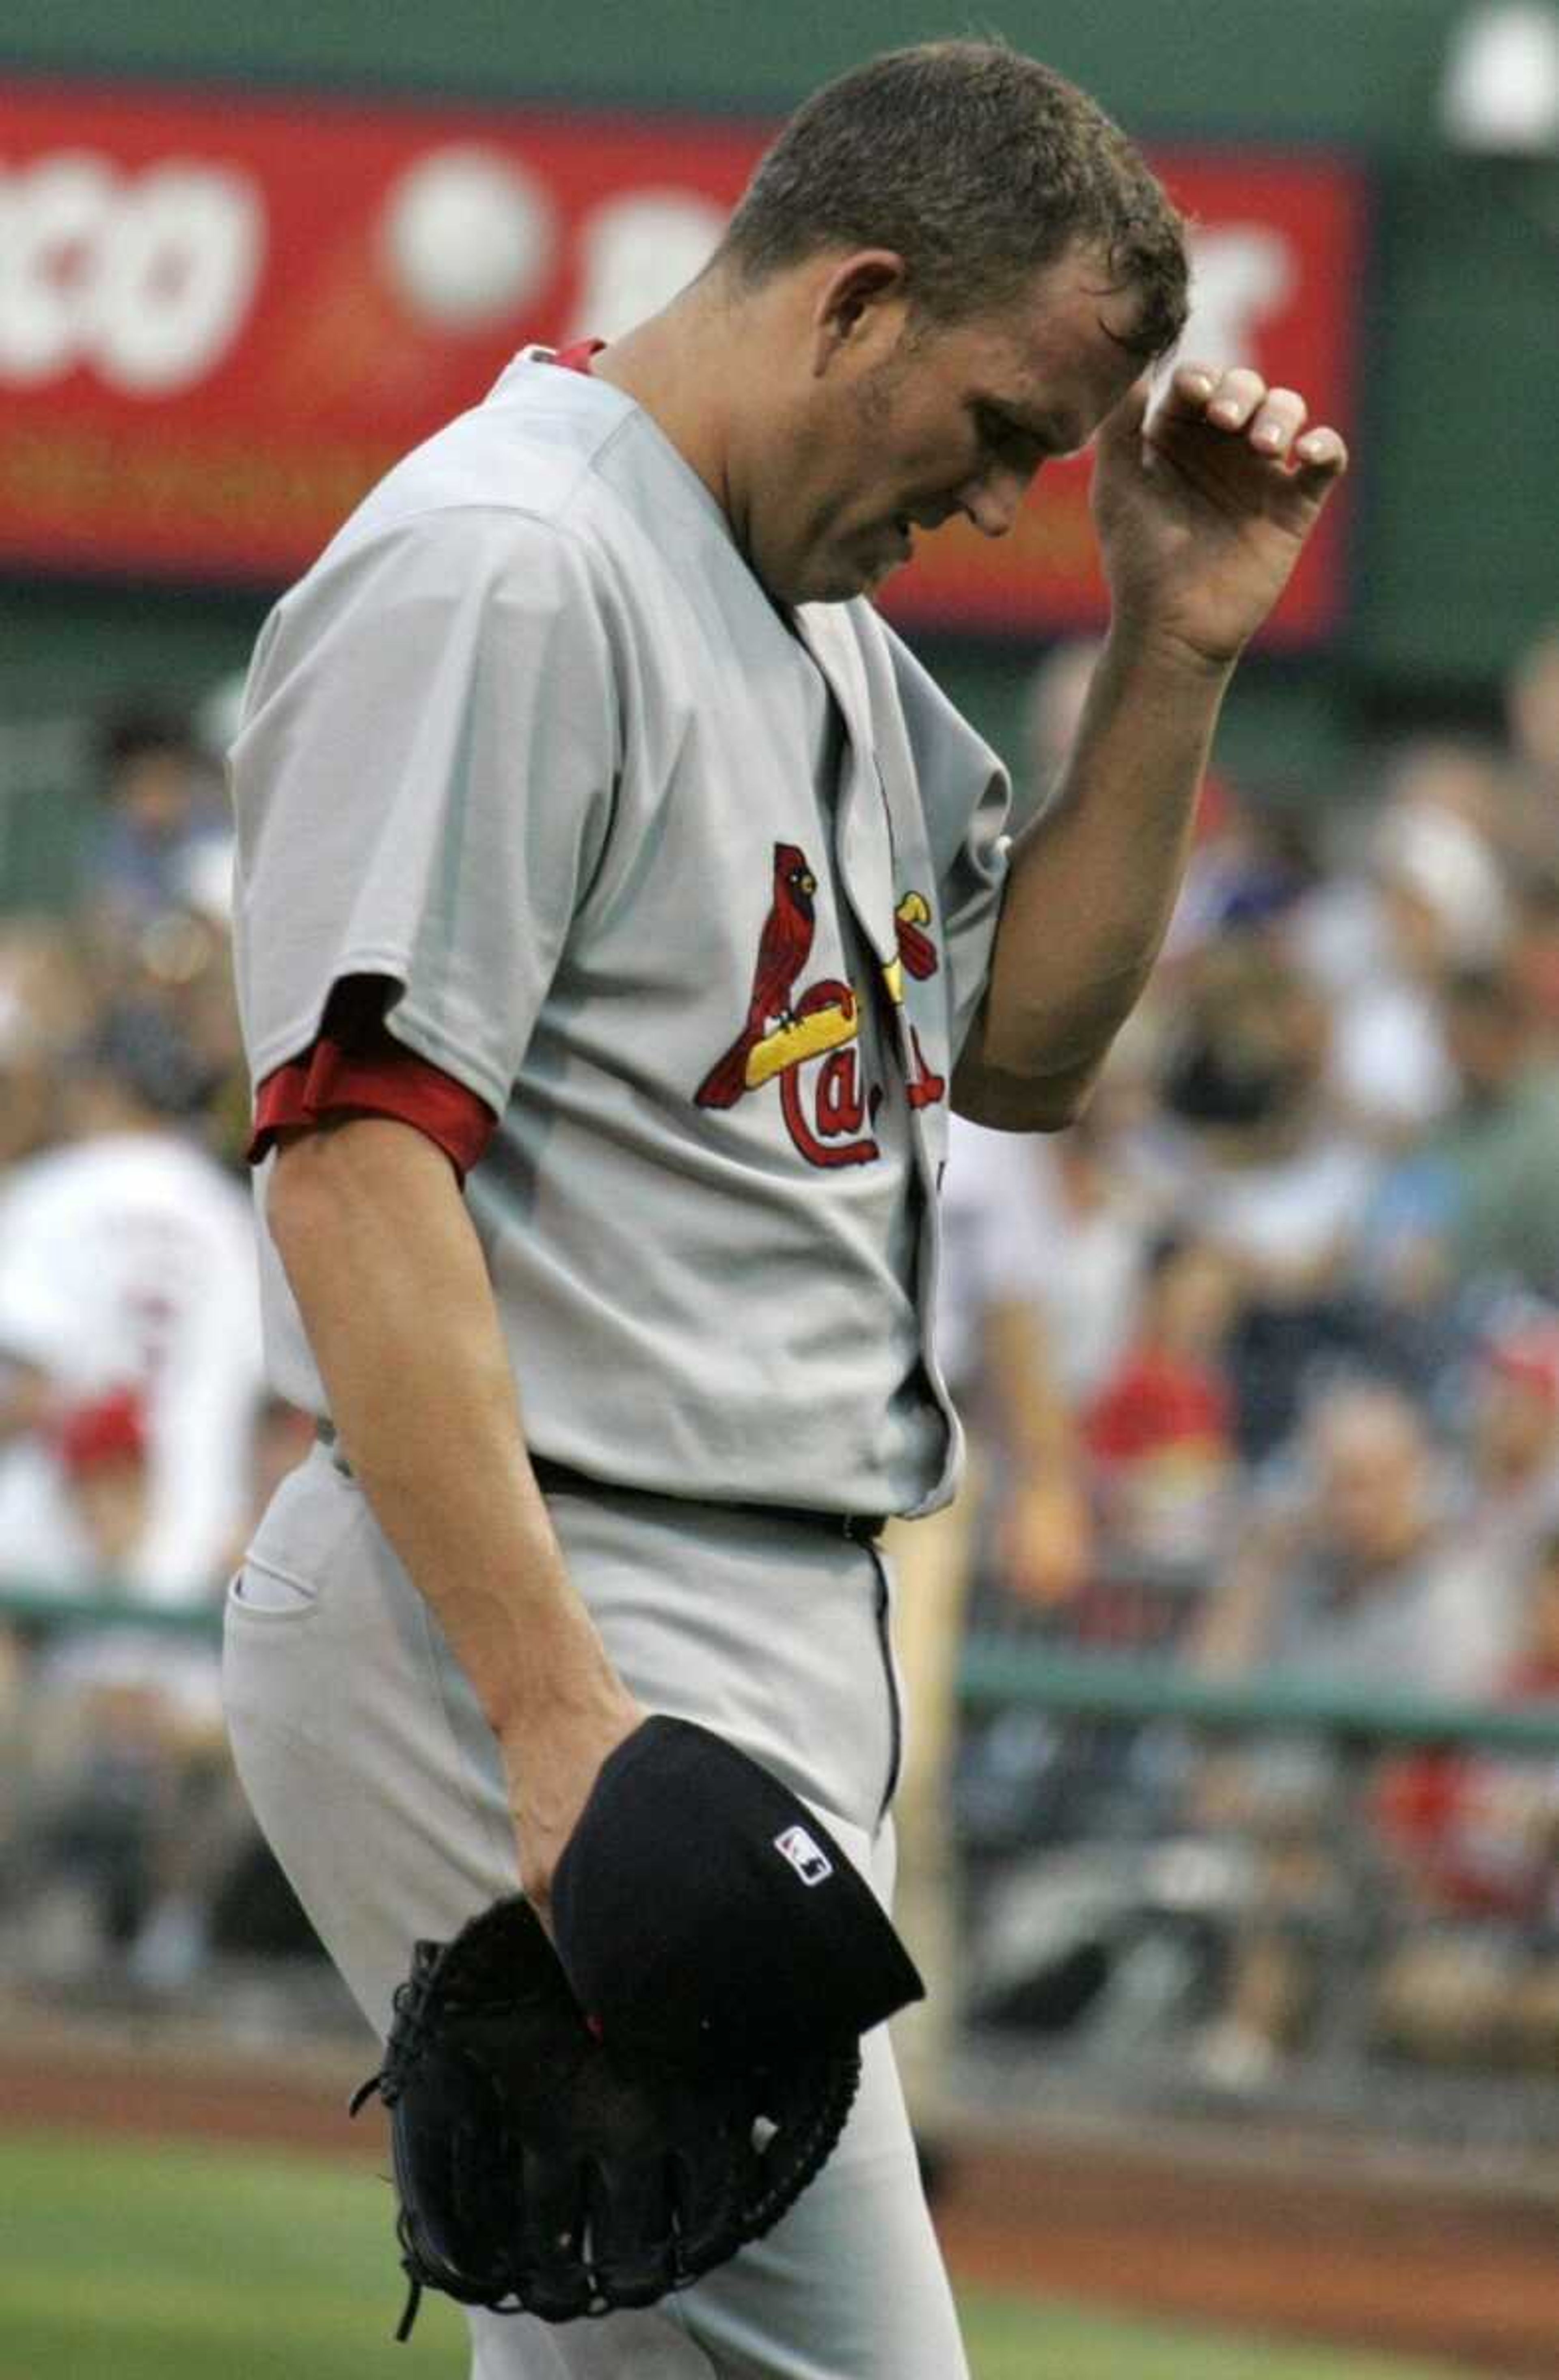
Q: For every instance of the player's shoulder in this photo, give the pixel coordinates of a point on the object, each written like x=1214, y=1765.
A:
x=510, y=483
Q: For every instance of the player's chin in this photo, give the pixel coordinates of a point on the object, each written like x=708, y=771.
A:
x=847, y=575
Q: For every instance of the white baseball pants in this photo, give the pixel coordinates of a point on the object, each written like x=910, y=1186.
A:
x=378, y=1785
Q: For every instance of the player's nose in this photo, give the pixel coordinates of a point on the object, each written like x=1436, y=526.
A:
x=992, y=501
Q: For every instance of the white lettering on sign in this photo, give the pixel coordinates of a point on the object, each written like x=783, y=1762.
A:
x=1241, y=274
x=636, y=252
x=144, y=277
x=469, y=236
x=51, y=219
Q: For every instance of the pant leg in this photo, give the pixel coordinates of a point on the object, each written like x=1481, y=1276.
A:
x=850, y=2285
x=933, y=1560
x=379, y=1788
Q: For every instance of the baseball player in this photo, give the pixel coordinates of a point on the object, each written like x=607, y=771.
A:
x=619, y=908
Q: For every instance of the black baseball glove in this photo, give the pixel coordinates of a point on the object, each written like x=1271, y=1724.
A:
x=541, y=2172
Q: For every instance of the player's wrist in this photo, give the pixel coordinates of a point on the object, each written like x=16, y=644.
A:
x=560, y=1683
x=1145, y=644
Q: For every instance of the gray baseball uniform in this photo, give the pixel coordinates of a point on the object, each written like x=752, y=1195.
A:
x=699, y=898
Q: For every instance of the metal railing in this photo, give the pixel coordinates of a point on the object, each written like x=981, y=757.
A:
x=996, y=1672
x=1080, y=1697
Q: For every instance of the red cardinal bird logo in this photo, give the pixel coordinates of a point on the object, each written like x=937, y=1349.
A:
x=782, y=952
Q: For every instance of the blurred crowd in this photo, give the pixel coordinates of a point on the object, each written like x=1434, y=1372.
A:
x=1260, y=1362
x=138, y=1442
x=1265, y=1348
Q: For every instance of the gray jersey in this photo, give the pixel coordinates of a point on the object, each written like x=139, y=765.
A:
x=698, y=897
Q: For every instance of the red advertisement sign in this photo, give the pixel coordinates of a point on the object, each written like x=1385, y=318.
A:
x=222, y=316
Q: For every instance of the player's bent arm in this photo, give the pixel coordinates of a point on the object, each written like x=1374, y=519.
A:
x=1019, y=1102
x=382, y=1257
x=1090, y=889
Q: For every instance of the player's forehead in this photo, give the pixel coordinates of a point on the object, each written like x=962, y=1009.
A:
x=1054, y=358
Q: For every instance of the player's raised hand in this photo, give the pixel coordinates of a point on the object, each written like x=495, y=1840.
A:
x=1203, y=502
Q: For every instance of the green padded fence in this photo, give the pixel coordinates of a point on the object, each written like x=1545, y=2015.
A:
x=998, y=1672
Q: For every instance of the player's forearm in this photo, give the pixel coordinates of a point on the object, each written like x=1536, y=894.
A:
x=395, y=1297
x=1091, y=888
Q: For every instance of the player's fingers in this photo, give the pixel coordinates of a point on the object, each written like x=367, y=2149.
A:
x=1319, y=458
x=1234, y=402
x=1193, y=383
x=1277, y=423
x=1225, y=396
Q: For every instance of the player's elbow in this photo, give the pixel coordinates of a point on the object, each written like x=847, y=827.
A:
x=1004, y=1102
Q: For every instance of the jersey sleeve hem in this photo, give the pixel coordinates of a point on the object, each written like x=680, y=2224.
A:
x=388, y=1080
x=405, y=1020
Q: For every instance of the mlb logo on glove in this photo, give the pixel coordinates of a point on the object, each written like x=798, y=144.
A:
x=728, y=1961
x=812, y=1866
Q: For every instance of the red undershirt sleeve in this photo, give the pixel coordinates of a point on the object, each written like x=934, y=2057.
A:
x=355, y=1066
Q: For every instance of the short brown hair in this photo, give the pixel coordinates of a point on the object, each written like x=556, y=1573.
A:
x=977, y=166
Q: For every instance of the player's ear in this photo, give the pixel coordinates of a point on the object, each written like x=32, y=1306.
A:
x=859, y=305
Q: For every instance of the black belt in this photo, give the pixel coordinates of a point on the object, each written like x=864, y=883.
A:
x=561, y=1478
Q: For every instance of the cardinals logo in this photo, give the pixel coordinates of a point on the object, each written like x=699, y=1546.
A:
x=783, y=951
x=784, y=1029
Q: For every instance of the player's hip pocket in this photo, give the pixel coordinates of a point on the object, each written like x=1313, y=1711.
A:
x=297, y=1545
x=261, y=1591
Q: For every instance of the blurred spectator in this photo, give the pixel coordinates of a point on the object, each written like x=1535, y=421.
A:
x=1460, y=776
x=180, y=969
x=1249, y=868
x=998, y=1350
x=126, y=1263
x=1415, y=890
x=156, y=928
x=1260, y=1163
x=1534, y=948
x=1024, y=1467
x=129, y=1832
x=1507, y=1500
x=1271, y=1179
x=1441, y=905
x=129, y=1815
x=1053, y=708
x=1334, y=1583
x=1531, y=798
x=1235, y=869
x=1096, y=1194
x=46, y=1006
x=1475, y=1836
x=1338, y=933
x=1476, y=1200
x=25, y=1087
x=1336, y=1566
x=1158, y=1435
x=167, y=817
x=103, y=1457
